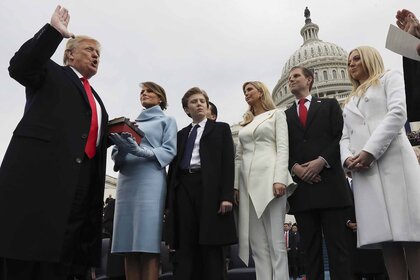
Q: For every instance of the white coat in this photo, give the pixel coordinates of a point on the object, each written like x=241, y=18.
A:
x=387, y=195
x=262, y=159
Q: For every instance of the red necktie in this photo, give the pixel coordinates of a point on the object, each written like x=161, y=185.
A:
x=90, y=148
x=303, y=111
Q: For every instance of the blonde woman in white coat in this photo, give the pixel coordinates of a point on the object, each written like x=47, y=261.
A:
x=262, y=177
x=386, y=174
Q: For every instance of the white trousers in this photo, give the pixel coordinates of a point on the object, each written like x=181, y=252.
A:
x=266, y=237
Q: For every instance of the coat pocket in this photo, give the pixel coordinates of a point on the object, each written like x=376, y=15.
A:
x=34, y=131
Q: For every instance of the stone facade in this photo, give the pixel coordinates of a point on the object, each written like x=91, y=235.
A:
x=327, y=61
x=110, y=186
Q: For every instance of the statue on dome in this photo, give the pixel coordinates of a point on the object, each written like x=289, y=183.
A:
x=307, y=13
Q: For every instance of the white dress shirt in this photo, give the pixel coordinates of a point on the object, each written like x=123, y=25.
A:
x=195, y=157
x=307, y=103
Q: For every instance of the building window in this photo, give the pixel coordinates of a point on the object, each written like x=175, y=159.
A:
x=316, y=76
x=343, y=74
x=334, y=74
x=325, y=75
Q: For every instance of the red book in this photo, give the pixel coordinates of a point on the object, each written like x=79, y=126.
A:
x=122, y=124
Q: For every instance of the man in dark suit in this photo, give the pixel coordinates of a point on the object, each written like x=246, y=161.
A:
x=293, y=252
x=212, y=112
x=320, y=201
x=408, y=22
x=200, y=198
x=53, y=173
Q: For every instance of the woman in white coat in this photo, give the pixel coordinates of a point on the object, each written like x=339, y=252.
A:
x=386, y=174
x=262, y=177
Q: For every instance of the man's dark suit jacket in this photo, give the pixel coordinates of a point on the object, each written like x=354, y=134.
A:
x=40, y=169
x=320, y=138
x=412, y=88
x=217, y=171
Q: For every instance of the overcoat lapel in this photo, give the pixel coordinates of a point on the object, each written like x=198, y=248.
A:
x=76, y=81
x=295, y=117
x=208, y=128
x=183, y=135
x=104, y=122
x=313, y=109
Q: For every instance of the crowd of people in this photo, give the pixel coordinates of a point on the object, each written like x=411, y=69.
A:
x=291, y=161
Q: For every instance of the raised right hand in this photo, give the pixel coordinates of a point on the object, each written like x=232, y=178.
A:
x=408, y=22
x=60, y=20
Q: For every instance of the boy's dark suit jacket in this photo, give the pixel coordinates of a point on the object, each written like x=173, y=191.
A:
x=217, y=171
x=40, y=169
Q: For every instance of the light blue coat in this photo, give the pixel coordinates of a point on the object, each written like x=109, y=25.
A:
x=141, y=187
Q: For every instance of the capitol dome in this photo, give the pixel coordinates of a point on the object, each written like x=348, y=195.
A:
x=328, y=62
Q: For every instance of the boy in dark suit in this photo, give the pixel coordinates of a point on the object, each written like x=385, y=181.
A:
x=200, y=186
x=321, y=199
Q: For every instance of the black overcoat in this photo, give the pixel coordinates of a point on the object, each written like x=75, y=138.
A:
x=412, y=88
x=40, y=169
x=217, y=171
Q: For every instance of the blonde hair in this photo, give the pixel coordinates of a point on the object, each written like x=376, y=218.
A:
x=73, y=43
x=373, y=64
x=266, y=101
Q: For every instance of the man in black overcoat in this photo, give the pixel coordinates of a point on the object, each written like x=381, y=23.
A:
x=408, y=22
x=319, y=203
x=200, y=194
x=53, y=173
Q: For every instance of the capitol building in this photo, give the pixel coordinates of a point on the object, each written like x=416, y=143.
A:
x=327, y=61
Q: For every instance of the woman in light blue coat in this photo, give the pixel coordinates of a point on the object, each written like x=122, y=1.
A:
x=141, y=187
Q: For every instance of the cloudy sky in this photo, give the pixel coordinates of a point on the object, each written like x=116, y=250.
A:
x=213, y=44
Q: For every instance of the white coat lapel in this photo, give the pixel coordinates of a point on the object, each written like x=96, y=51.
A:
x=258, y=120
x=352, y=107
